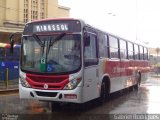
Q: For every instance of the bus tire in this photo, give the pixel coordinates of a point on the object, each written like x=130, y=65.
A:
x=138, y=82
x=103, y=93
x=107, y=83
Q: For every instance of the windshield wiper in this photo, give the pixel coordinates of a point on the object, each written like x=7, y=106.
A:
x=38, y=40
x=55, y=40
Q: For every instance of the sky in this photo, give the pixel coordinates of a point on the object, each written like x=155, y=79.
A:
x=135, y=20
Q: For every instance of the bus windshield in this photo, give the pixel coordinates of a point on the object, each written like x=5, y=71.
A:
x=58, y=53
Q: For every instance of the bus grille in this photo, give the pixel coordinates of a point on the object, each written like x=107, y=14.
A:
x=46, y=94
x=47, y=82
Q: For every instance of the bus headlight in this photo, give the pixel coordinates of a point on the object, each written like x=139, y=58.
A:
x=24, y=83
x=72, y=84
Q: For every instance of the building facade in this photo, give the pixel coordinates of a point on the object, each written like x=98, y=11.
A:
x=15, y=13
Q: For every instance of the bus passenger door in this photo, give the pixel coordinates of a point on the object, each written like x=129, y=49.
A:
x=90, y=90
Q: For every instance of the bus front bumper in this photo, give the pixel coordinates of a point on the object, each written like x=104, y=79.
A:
x=73, y=96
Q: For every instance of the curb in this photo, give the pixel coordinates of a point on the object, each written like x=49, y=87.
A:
x=9, y=91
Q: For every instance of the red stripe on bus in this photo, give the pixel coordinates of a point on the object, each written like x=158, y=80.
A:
x=125, y=68
x=53, y=82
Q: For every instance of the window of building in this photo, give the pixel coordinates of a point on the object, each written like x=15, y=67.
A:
x=42, y=5
x=42, y=15
x=34, y=9
x=25, y=19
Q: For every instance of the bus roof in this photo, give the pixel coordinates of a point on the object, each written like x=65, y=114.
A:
x=50, y=19
x=117, y=36
x=91, y=26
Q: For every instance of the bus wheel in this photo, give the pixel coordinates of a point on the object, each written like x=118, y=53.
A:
x=103, y=93
x=138, y=82
x=55, y=106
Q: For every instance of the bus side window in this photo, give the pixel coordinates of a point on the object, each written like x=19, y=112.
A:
x=123, y=49
x=113, y=43
x=90, y=50
x=136, y=52
x=103, y=45
x=130, y=50
x=145, y=54
x=141, y=52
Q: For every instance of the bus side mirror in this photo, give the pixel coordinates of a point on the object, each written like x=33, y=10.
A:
x=86, y=40
x=11, y=43
x=14, y=37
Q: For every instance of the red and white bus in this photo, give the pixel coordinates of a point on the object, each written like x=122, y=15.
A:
x=67, y=60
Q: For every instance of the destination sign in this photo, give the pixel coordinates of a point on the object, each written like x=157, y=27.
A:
x=50, y=27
